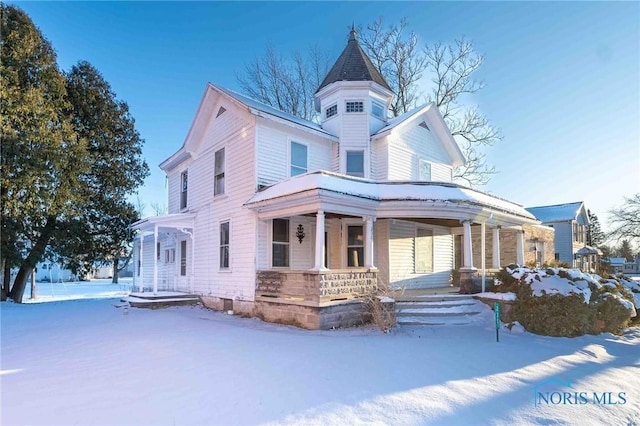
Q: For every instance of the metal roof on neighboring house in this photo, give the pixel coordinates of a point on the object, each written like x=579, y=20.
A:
x=354, y=65
x=556, y=213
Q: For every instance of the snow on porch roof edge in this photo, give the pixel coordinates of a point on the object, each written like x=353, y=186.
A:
x=386, y=191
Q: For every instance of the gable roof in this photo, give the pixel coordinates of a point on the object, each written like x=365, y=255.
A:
x=353, y=65
x=434, y=119
x=258, y=108
x=557, y=212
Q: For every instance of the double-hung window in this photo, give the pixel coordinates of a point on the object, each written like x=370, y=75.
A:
x=224, y=245
x=280, y=243
x=355, y=246
x=298, y=159
x=184, y=179
x=355, y=163
x=219, y=168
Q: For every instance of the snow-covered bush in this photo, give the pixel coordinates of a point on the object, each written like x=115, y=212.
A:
x=568, y=302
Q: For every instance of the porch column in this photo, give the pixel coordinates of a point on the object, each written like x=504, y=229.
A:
x=155, y=259
x=520, y=247
x=368, y=261
x=141, y=285
x=483, y=235
x=320, y=248
x=496, y=247
x=192, y=235
x=467, y=262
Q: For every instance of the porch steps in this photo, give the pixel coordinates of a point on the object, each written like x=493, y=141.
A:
x=437, y=309
x=161, y=299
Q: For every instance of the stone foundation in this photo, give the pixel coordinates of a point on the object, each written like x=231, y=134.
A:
x=336, y=315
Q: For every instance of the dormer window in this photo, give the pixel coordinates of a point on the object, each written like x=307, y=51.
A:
x=377, y=110
x=331, y=111
x=354, y=106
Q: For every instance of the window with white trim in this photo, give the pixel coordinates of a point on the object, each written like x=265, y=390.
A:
x=355, y=246
x=354, y=106
x=224, y=245
x=280, y=243
x=298, y=156
x=423, y=251
x=219, y=169
x=424, y=170
x=184, y=187
x=331, y=111
x=355, y=163
x=377, y=110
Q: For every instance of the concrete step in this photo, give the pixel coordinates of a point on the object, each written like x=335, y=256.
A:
x=433, y=298
x=163, y=302
x=439, y=312
x=435, y=305
x=416, y=320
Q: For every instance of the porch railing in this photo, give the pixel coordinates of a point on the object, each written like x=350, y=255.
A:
x=316, y=287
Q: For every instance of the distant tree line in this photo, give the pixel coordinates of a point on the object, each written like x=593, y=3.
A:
x=69, y=158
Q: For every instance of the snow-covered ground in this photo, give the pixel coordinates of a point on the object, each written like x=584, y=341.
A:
x=94, y=289
x=90, y=362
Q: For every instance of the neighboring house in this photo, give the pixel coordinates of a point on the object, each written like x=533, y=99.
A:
x=292, y=221
x=617, y=264
x=570, y=222
x=53, y=272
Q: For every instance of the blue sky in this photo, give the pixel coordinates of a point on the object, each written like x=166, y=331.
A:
x=562, y=78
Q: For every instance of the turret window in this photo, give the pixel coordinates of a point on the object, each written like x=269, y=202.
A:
x=331, y=111
x=377, y=110
x=354, y=106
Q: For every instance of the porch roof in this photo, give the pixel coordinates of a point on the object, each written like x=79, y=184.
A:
x=172, y=221
x=391, y=198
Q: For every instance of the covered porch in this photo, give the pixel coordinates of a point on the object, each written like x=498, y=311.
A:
x=328, y=237
x=164, y=254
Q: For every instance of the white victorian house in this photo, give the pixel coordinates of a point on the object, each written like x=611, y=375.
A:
x=288, y=220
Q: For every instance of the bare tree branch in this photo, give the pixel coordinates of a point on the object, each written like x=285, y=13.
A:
x=625, y=219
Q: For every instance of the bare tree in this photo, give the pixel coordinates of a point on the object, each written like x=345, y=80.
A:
x=289, y=83
x=395, y=51
x=625, y=220
x=399, y=58
x=285, y=83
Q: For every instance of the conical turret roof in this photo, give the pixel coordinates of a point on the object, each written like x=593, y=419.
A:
x=353, y=65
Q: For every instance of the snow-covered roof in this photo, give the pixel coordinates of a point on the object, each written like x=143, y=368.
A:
x=556, y=213
x=589, y=250
x=175, y=220
x=387, y=191
x=266, y=109
x=617, y=261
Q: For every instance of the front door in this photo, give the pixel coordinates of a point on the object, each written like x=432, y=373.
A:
x=183, y=266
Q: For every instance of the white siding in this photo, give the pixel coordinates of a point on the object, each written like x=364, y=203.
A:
x=273, y=152
x=401, y=256
x=379, y=159
x=563, y=240
x=413, y=144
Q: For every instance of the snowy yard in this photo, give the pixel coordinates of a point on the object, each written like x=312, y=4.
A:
x=89, y=362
